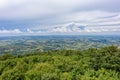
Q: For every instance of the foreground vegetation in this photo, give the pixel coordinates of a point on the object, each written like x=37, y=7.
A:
x=90, y=64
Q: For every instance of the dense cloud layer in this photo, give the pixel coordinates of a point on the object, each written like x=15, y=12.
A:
x=52, y=16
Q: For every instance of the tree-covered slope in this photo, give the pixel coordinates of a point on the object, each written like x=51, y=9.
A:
x=90, y=64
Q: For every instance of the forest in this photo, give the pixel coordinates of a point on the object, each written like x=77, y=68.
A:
x=89, y=64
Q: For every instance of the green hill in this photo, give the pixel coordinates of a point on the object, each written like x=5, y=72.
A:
x=90, y=64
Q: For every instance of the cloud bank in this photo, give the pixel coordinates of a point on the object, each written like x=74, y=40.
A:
x=15, y=31
x=59, y=16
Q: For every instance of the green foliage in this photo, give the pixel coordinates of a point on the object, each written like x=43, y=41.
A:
x=12, y=75
x=90, y=64
x=6, y=56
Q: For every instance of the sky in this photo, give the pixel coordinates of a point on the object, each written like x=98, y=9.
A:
x=59, y=17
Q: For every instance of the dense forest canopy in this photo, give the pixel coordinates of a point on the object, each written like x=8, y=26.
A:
x=89, y=64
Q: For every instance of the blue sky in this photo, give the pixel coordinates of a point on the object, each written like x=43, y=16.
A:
x=60, y=17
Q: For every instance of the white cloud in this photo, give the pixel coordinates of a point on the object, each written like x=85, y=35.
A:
x=25, y=9
x=29, y=31
x=102, y=29
x=76, y=27
x=10, y=31
x=29, y=9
